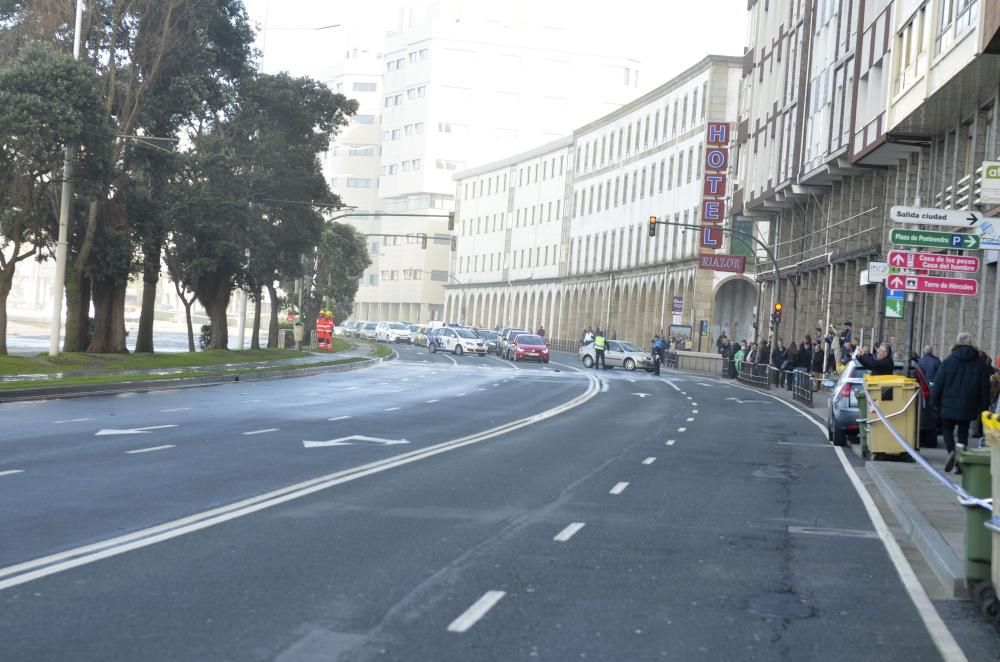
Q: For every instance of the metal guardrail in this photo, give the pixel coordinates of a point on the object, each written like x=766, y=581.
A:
x=802, y=387
x=670, y=360
x=754, y=374
x=728, y=370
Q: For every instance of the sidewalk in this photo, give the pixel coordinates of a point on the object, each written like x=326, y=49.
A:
x=929, y=514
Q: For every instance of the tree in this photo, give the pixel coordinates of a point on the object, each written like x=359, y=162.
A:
x=47, y=100
x=334, y=272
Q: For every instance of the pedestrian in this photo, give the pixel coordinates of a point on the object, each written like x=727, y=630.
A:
x=817, y=367
x=738, y=358
x=846, y=335
x=588, y=336
x=791, y=361
x=599, y=344
x=764, y=353
x=541, y=331
x=881, y=363
x=803, y=361
x=929, y=364
x=961, y=392
x=657, y=351
x=720, y=342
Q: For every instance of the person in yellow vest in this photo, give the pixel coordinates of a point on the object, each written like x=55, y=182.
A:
x=599, y=343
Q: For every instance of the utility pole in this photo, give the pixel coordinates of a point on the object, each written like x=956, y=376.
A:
x=65, y=202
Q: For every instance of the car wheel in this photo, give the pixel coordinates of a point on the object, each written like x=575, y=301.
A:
x=588, y=361
x=629, y=364
x=458, y=350
x=432, y=348
x=839, y=437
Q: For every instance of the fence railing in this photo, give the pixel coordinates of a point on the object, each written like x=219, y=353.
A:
x=754, y=374
x=802, y=386
x=728, y=368
x=670, y=360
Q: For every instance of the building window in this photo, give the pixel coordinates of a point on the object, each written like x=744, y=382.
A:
x=645, y=134
x=663, y=163
x=680, y=168
x=690, y=163
x=701, y=157
x=361, y=150
x=600, y=195
x=363, y=87
x=638, y=123
x=357, y=182
x=562, y=162
x=684, y=113
x=617, y=182
x=656, y=128
x=412, y=57
x=642, y=189
x=590, y=207
x=624, y=188
x=424, y=53
x=607, y=197
x=395, y=134
x=408, y=130
x=704, y=98
x=635, y=183
x=694, y=108
x=652, y=178
x=444, y=164
x=421, y=90
x=363, y=119
x=418, y=128
x=628, y=137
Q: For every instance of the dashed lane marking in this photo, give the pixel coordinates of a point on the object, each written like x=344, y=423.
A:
x=671, y=442
x=262, y=431
x=391, y=409
x=694, y=411
x=430, y=402
x=569, y=532
x=338, y=418
x=168, y=411
x=72, y=420
x=682, y=429
x=149, y=450
x=649, y=460
x=11, y=472
x=690, y=420
x=478, y=609
x=619, y=488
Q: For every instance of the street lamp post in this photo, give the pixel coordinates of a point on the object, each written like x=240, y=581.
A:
x=65, y=202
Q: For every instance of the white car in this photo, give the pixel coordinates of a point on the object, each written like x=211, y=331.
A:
x=367, y=332
x=393, y=332
x=460, y=341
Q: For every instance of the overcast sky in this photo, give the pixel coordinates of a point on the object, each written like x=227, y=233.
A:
x=667, y=36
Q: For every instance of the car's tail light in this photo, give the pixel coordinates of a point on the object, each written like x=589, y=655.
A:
x=845, y=392
x=852, y=427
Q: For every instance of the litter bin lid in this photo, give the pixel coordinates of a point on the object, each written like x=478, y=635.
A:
x=880, y=381
x=974, y=456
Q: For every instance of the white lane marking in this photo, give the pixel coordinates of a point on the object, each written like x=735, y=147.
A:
x=683, y=392
x=632, y=381
x=27, y=571
x=391, y=409
x=803, y=443
x=619, y=488
x=150, y=450
x=405, y=379
x=694, y=411
x=605, y=385
x=671, y=442
x=689, y=397
x=459, y=395
x=495, y=385
x=311, y=394
x=167, y=411
x=472, y=615
x=649, y=460
x=262, y=431
x=247, y=402
x=11, y=472
x=682, y=429
x=480, y=389
x=351, y=388
x=943, y=639
x=338, y=418
x=430, y=402
x=690, y=420
x=674, y=386
x=145, y=430
x=694, y=404
x=569, y=531
x=72, y=420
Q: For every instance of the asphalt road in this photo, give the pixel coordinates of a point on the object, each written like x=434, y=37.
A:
x=534, y=512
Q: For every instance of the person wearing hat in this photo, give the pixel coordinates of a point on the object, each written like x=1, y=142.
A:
x=845, y=340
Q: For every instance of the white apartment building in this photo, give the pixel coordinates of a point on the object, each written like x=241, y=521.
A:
x=644, y=159
x=463, y=84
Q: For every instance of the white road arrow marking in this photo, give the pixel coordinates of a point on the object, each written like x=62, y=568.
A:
x=349, y=441
x=642, y=395
x=145, y=430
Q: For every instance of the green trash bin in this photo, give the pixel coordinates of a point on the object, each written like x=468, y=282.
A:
x=976, y=480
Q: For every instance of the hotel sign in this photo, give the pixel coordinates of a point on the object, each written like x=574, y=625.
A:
x=714, y=185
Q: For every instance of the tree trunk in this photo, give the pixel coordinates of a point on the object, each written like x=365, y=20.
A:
x=77, y=312
x=258, y=295
x=109, y=319
x=150, y=278
x=272, y=326
x=187, y=315
x=6, y=279
x=213, y=291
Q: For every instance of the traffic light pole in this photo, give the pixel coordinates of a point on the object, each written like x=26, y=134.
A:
x=743, y=236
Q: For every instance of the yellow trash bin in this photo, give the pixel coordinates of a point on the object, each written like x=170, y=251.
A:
x=991, y=429
x=899, y=400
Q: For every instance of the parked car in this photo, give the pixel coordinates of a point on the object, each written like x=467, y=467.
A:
x=508, y=335
x=842, y=410
x=618, y=353
x=460, y=341
x=357, y=328
x=490, y=338
x=341, y=329
x=393, y=332
x=529, y=347
x=368, y=331
x=420, y=336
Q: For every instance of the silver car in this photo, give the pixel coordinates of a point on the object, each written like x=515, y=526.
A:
x=618, y=353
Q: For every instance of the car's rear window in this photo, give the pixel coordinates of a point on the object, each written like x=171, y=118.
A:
x=525, y=339
x=371, y=325
x=398, y=327
x=465, y=333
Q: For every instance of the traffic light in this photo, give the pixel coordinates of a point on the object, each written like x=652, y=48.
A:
x=776, y=315
x=451, y=221
x=652, y=226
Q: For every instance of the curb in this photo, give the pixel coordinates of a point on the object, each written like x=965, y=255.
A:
x=942, y=559
x=60, y=392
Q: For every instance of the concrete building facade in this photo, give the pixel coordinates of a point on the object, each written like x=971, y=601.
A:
x=897, y=106
x=559, y=237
